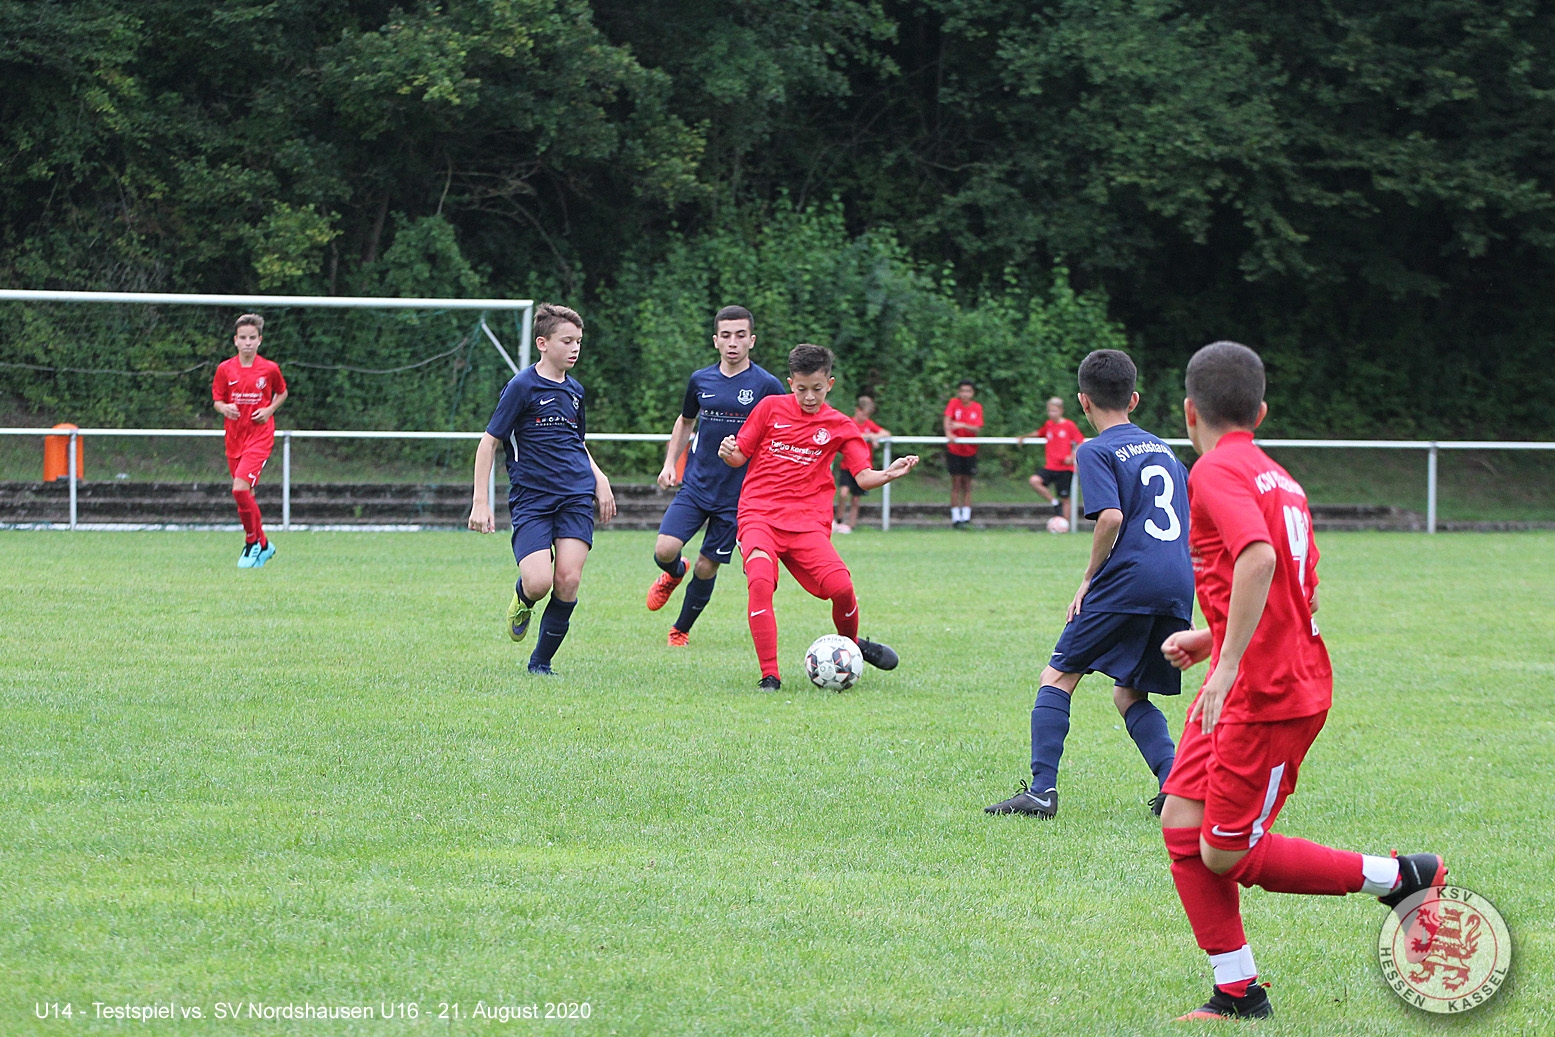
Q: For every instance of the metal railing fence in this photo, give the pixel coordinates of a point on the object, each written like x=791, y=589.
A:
x=1431, y=448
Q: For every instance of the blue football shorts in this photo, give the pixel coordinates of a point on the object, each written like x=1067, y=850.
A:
x=1122, y=645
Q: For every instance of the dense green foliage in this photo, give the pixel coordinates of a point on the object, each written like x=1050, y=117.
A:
x=1362, y=191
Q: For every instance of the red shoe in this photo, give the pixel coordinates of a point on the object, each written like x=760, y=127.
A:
x=678, y=638
x=663, y=587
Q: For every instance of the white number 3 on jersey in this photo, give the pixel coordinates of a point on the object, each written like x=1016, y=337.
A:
x=1163, y=500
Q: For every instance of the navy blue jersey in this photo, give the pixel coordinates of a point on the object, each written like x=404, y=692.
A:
x=541, y=425
x=720, y=405
x=1149, y=571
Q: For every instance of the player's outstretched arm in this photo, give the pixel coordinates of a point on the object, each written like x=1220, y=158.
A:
x=729, y=450
x=1250, y=580
x=1109, y=523
x=680, y=438
x=481, y=518
x=873, y=478
x=604, y=496
x=1188, y=648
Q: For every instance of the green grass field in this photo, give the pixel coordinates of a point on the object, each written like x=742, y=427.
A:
x=330, y=781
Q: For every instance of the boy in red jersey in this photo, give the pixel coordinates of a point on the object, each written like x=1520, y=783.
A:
x=785, y=504
x=1265, y=699
x=963, y=421
x=247, y=390
x=848, y=491
x=1056, y=476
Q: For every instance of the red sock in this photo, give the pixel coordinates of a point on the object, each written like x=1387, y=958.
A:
x=1281, y=864
x=844, y=605
x=761, y=582
x=247, y=514
x=1212, y=901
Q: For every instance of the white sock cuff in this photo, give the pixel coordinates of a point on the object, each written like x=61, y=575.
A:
x=1378, y=875
x=1234, y=966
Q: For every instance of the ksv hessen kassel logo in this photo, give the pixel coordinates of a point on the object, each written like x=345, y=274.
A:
x=821, y=437
x=1448, y=953
x=746, y=396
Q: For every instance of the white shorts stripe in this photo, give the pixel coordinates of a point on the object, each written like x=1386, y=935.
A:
x=1269, y=795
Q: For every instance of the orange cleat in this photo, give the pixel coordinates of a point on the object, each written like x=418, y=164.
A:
x=663, y=587
x=679, y=638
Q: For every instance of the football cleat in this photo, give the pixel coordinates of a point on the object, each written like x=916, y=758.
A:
x=1035, y=804
x=1416, y=872
x=519, y=615
x=263, y=554
x=1222, y=1005
x=880, y=656
x=770, y=684
x=662, y=588
x=250, y=552
x=542, y=670
x=678, y=638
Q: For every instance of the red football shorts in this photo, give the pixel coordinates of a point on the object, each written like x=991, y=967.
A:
x=1242, y=773
x=809, y=557
x=249, y=463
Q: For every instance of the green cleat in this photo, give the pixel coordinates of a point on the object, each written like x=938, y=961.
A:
x=519, y=615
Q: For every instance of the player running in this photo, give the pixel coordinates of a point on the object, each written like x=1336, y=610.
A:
x=554, y=483
x=718, y=400
x=1056, y=476
x=1267, y=694
x=1136, y=591
x=247, y=390
x=785, y=507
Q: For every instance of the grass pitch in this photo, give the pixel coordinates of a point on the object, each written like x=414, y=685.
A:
x=330, y=782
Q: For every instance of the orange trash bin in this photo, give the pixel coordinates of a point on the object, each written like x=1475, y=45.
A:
x=56, y=455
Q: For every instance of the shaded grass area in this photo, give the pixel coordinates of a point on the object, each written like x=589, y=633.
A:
x=1473, y=485
x=329, y=780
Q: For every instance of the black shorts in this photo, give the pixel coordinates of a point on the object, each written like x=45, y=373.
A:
x=846, y=481
x=1057, y=481
x=955, y=464
x=1124, y=646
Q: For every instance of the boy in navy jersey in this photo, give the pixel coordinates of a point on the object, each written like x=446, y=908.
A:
x=555, y=484
x=718, y=400
x=1136, y=592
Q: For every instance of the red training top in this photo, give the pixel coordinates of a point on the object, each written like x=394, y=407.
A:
x=866, y=425
x=1238, y=496
x=250, y=388
x=1062, y=437
x=972, y=414
x=788, y=484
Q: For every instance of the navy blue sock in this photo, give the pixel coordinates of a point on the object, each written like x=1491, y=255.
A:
x=676, y=567
x=519, y=587
x=553, y=629
x=1049, y=728
x=1147, y=727
x=697, y=596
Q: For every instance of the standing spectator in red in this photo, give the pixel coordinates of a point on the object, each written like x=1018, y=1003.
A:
x=247, y=391
x=963, y=420
x=1055, y=478
x=848, y=491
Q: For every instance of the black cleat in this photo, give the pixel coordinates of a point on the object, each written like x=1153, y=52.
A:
x=542, y=670
x=1416, y=871
x=880, y=656
x=1036, y=804
x=1222, y=1005
x=770, y=684
x=1157, y=803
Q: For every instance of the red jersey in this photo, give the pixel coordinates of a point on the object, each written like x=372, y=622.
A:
x=250, y=388
x=971, y=413
x=1238, y=496
x=788, y=484
x=866, y=425
x=1062, y=437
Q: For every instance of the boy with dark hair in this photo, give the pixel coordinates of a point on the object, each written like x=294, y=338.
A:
x=1267, y=694
x=554, y=483
x=718, y=400
x=848, y=491
x=1056, y=476
x=963, y=420
x=247, y=390
x=1136, y=591
x=785, y=506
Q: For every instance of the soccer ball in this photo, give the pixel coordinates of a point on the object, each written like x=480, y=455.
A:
x=1058, y=524
x=833, y=662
